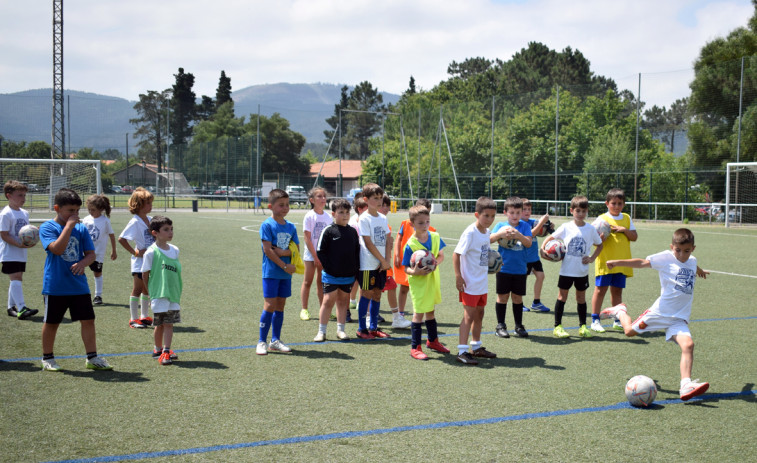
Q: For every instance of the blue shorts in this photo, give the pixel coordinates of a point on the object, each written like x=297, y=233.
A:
x=274, y=287
x=617, y=280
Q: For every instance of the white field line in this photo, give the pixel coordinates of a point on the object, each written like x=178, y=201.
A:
x=731, y=274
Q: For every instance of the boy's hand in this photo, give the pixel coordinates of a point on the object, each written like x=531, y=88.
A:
x=384, y=265
x=139, y=253
x=610, y=264
x=73, y=219
x=289, y=268
x=702, y=273
x=459, y=283
x=617, y=229
x=113, y=255
x=77, y=269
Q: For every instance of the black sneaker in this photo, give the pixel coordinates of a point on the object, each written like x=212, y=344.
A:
x=380, y=319
x=467, y=359
x=521, y=331
x=97, y=300
x=482, y=352
x=501, y=331
x=12, y=311
x=26, y=312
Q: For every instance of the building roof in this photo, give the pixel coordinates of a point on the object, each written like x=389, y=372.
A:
x=350, y=169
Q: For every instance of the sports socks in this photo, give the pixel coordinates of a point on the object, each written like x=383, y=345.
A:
x=537, y=301
x=265, y=325
x=16, y=292
x=501, y=310
x=431, y=331
x=145, y=306
x=362, y=309
x=462, y=348
x=277, y=321
x=559, y=309
x=134, y=307
x=340, y=326
x=581, y=314
x=99, y=286
x=91, y=355
x=322, y=328
x=375, y=305
x=518, y=313
x=594, y=317
x=416, y=334
x=475, y=344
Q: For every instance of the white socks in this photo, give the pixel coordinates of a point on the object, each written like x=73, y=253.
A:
x=99, y=286
x=145, y=306
x=134, y=307
x=16, y=293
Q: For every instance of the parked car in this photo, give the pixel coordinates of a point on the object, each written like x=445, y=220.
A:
x=127, y=189
x=297, y=194
x=241, y=191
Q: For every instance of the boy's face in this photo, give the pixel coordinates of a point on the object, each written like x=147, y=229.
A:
x=384, y=209
x=615, y=206
x=579, y=213
x=16, y=199
x=526, y=213
x=66, y=212
x=421, y=223
x=341, y=217
x=486, y=217
x=374, y=202
x=164, y=234
x=682, y=251
x=513, y=215
x=280, y=207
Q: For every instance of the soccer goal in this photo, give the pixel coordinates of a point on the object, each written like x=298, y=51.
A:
x=741, y=193
x=44, y=177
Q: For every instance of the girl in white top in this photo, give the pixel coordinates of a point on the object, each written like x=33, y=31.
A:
x=100, y=229
x=12, y=253
x=316, y=220
x=138, y=231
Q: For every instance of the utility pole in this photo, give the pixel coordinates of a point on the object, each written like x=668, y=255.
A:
x=58, y=145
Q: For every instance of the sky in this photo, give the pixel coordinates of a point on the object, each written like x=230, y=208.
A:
x=124, y=48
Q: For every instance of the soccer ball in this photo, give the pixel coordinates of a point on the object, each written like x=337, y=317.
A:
x=28, y=235
x=641, y=391
x=546, y=229
x=603, y=228
x=422, y=258
x=495, y=261
x=553, y=251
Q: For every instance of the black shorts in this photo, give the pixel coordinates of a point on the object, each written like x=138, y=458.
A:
x=137, y=274
x=371, y=279
x=508, y=283
x=331, y=287
x=96, y=267
x=581, y=283
x=80, y=307
x=13, y=267
x=532, y=267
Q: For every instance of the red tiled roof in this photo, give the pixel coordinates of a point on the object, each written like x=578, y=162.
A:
x=350, y=169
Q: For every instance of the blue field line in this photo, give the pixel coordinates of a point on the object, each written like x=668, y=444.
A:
x=374, y=432
x=294, y=344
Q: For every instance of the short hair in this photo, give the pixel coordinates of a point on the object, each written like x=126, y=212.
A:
x=340, y=204
x=158, y=221
x=276, y=194
x=14, y=185
x=100, y=202
x=423, y=202
x=415, y=211
x=683, y=236
x=526, y=202
x=312, y=193
x=67, y=197
x=483, y=203
x=139, y=198
x=358, y=194
x=579, y=202
x=372, y=189
x=514, y=202
x=616, y=193
x=386, y=201
x=359, y=203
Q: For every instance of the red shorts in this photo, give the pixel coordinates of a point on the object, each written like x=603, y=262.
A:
x=390, y=284
x=470, y=300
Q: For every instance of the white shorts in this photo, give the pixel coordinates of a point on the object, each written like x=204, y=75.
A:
x=672, y=326
x=163, y=305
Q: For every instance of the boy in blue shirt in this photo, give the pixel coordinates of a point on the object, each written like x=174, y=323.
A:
x=64, y=287
x=533, y=262
x=511, y=278
x=276, y=232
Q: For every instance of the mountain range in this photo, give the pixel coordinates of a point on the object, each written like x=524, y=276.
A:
x=102, y=122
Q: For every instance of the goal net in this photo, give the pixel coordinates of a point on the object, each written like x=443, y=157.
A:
x=44, y=177
x=741, y=193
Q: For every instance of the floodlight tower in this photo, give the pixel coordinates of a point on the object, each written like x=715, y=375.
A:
x=58, y=133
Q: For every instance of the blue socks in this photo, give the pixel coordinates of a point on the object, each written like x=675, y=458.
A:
x=278, y=320
x=362, y=310
x=374, y=314
x=265, y=325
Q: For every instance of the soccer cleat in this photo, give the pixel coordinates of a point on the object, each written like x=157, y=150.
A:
x=157, y=353
x=482, y=352
x=380, y=319
x=437, y=346
x=398, y=321
x=539, y=307
x=364, y=334
x=467, y=359
x=597, y=326
x=559, y=332
x=98, y=363
x=12, y=311
x=136, y=324
x=147, y=321
x=97, y=300
x=613, y=311
x=165, y=358
x=418, y=354
x=279, y=346
x=693, y=389
x=525, y=308
x=320, y=337
x=26, y=312
x=342, y=336
x=501, y=331
x=353, y=305
x=50, y=365
x=616, y=326
x=261, y=349
x=585, y=332
x=521, y=331
x=377, y=333
x=304, y=315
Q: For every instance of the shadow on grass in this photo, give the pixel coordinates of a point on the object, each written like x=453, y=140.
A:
x=25, y=367
x=110, y=376
x=187, y=329
x=709, y=400
x=107, y=305
x=319, y=354
x=200, y=364
x=553, y=341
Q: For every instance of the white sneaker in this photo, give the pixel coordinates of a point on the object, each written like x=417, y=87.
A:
x=597, y=326
x=342, y=335
x=279, y=346
x=612, y=312
x=98, y=363
x=320, y=337
x=50, y=365
x=398, y=321
x=261, y=349
x=693, y=389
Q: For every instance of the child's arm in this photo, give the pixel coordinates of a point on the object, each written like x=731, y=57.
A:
x=593, y=257
x=630, y=234
x=134, y=252
x=58, y=247
x=146, y=278
x=633, y=263
x=397, y=250
x=701, y=273
x=78, y=268
x=440, y=257
x=539, y=224
x=273, y=254
x=375, y=252
x=459, y=281
x=113, y=254
x=549, y=238
x=8, y=238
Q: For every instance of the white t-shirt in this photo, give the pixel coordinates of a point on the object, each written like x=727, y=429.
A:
x=100, y=231
x=138, y=232
x=160, y=305
x=578, y=242
x=676, y=284
x=314, y=223
x=12, y=221
x=377, y=228
x=473, y=248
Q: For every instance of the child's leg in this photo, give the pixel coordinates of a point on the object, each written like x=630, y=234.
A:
x=16, y=290
x=469, y=315
x=167, y=335
x=362, y=308
x=562, y=296
x=416, y=330
x=402, y=301
x=500, y=308
x=307, y=282
x=391, y=298
x=157, y=337
x=518, y=310
x=342, y=306
x=326, y=306
x=432, y=333
x=136, y=292
x=269, y=306
x=319, y=283
x=98, y=283
x=278, y=318
x=687, y=354
x=478, y=322
x=353, y=294
x=49, y=331
x=616, y=295
x=375, y=306
x=538, y=284
x=88, y=335
x=581, y=303
x=597, y=298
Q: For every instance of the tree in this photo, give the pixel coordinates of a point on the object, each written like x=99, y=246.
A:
x=280, y=145
x=151, y=123
x=223, y=124
x=182, y=107
x=469, y=68
x=223, y=92
x=364, y=103
x=664, y=123
x=333, y=121
x=411, y=87
x=205, y=109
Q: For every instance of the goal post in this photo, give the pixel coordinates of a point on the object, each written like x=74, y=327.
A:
x=44, y=177
x=741, y=193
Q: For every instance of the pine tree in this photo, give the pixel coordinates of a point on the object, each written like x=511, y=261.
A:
x=223, y=92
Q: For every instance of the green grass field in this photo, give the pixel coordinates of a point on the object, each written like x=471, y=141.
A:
x=542, y=399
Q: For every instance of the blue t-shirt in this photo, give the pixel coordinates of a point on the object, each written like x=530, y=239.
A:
x=58, y=280
x=408, y=253
x=279, y=235
x=514, y=260
x=532, y=253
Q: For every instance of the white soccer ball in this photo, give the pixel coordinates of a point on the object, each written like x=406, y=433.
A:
x=641, y=391
x=28, y=235
x=423, y=259
x=603, y=228
x=495, y=261
x=553, y=250
x=507, y=243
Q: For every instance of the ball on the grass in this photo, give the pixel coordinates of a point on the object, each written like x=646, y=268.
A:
x=641, y=391
x=495, y=261
x=553, y=250
x=28, y=235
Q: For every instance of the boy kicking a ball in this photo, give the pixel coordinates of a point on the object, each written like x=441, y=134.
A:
x=671, y=311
